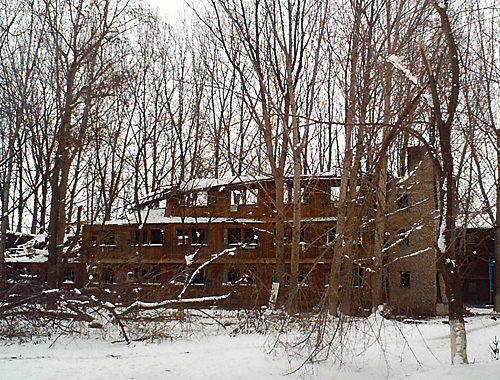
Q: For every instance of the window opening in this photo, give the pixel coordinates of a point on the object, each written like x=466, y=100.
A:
x=250, y=236
x=334, y=194
x=200, y=198
x=107, y=276
x=357, y=276
x=198, y=236
x=182, y=236
x=234, y=236
x=405, y=279
x=330, y=235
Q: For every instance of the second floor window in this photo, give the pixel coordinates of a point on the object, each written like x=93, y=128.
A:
x=238, y=236
x=330, y=235
x=198, y=236
x=149, y=237
x=182, y=236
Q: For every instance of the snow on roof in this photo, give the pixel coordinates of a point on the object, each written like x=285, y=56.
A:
x=199, y=184
x=156, y=216
x=24, y=255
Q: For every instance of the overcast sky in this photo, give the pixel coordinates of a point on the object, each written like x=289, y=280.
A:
x=171, y=7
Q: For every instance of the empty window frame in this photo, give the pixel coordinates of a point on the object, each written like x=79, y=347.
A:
x=304, y=194
x=238, y=236
x=357, y=276
x=330, y=235
x=251, y=196
x=199, y=278
x=405, y=279
x=200, y=198
x=198, y=236
x=333, y=194
x=244, y=197
x=149, y=237
x=304, y=235
x=237, y=197
x=182, y=236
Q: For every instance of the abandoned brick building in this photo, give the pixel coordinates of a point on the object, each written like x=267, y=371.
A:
x=218, y=234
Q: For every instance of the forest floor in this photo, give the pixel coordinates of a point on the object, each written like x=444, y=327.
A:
x=212, y=345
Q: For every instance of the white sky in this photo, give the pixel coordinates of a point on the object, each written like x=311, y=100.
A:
x=171, y=7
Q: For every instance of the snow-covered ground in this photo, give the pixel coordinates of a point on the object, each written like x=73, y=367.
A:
x=375, y=348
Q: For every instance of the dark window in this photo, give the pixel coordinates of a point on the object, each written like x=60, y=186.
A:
x=93, y=240
x=141, y=237
x=198, y=236
x=199, y=278
x=233, y=276
x=234, y=236
x=147, y=237
x=357, y=276
x=303, y=276
x=250, y=236
x=288, y=193
x=405, y=279
x=107, y=276
x=155, y=275
x=304, y=235
x=110, y=238
x=403, y=201
x=69, y=275
x=157, y=236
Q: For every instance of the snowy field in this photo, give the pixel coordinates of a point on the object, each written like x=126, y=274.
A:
x=202, y=349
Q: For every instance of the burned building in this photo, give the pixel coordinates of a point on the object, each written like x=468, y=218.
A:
x=213, y=237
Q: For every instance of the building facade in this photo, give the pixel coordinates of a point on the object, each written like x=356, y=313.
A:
x=216, y=237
